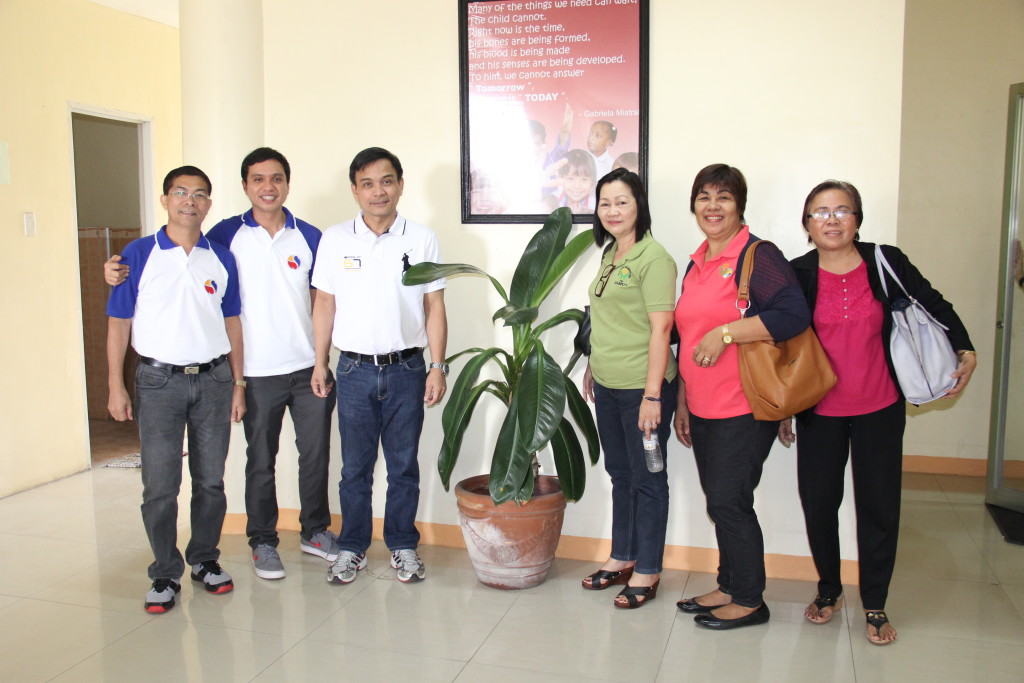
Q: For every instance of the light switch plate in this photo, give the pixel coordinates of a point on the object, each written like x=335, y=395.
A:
x=29, y=220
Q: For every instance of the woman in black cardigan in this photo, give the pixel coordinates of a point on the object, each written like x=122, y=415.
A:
x=864, y=415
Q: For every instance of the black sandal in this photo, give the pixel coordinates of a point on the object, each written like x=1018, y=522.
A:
x=821, y=603
x=633, y=595
x=878, y=619
x=602, y=578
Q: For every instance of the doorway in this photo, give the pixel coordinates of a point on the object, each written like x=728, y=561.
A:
x=110, y=203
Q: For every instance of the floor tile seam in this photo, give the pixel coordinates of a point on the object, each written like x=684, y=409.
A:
x=977, y=545
x=490, y=634
x=313, y=638
x=81, y=661
x=278, y=658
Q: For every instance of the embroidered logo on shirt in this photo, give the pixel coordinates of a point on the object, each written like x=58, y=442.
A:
x=624, y=273
x=353, y=263
x=210, y=286
x=294, y=262
x=726, y=270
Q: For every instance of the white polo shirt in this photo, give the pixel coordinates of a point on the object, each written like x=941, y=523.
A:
x=375, y=312
x=274, y=279
x=177, y=301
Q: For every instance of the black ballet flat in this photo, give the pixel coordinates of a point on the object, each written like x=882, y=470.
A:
x=691, y=606
x=708, y=620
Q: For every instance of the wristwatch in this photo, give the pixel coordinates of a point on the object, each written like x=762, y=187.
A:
x=443, y=367
x=726, y=335
x=241, y=383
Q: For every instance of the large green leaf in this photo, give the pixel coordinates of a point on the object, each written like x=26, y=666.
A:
x=525, y=492
x=565, y=316
x=511, y=460
x=583, y=418
x=514, y=315
x=539, y=398
x=539, y=255
x=425, y=272
x=565, y=260
x=459, y=409
x=569, y=463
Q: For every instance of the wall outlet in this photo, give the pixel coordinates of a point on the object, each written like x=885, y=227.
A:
x=29, y=219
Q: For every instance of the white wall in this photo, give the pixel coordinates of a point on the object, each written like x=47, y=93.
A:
x=763, y=87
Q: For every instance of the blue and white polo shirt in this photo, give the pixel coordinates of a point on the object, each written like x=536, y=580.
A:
x=274, y=276
x=177, y=301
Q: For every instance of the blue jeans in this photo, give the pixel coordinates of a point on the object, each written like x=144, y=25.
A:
x=266, y=399
x=165, y=404
x=380, y=406
x=639, y=497
x=730, y=454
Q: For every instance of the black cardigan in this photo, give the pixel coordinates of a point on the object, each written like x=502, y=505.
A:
x=806, y=268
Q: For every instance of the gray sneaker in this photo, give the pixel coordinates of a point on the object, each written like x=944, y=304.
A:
x=267, y=562
x=160, y=598
x=409, y=565
x=213, y=577
x=322, y=544
x=345, y=567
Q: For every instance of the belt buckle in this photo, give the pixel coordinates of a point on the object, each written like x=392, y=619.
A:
x=191, y=370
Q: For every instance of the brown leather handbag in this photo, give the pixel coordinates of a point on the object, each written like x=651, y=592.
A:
x=780, y=379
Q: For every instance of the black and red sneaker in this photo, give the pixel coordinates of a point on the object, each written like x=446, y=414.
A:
x=213, y=578
x=160, y=597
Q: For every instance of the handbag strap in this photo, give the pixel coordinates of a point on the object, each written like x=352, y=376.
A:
x=743, y=291
x=881, y=264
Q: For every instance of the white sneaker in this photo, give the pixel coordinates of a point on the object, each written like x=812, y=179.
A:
x=345, y=567
x=409, y=565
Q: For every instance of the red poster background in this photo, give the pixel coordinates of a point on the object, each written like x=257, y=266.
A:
x=549, y=62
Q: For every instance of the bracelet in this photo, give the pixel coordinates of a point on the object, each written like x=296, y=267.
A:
x=961, y=354
x=652, y=398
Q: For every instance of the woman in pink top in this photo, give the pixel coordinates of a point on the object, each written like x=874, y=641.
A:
x=713, y=415
x=863, y=417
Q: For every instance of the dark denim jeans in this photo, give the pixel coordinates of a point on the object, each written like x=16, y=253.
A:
x=266, y=399
x=730, y=455
x=639, y=497
x=380, y=406
x=165, y=404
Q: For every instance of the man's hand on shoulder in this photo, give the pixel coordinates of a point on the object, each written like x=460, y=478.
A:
x=115, y=272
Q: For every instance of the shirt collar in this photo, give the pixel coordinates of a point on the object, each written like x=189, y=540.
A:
x=289, y=219
x=635, y=251
x=732, y=252
x=359, y=226
x=165, y=242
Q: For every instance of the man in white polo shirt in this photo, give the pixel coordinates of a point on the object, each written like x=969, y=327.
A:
x=380, y=327
x=180, y=306
x=275, y=252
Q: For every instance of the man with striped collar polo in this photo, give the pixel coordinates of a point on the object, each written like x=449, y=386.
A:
x=275, y=252
x=380, y=327
x=180, y=307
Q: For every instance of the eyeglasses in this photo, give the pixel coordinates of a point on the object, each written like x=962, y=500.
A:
x=602, y=281
x=824, y=215
x=197, y=196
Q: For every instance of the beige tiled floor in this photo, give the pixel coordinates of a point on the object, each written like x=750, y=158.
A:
x=74, y=574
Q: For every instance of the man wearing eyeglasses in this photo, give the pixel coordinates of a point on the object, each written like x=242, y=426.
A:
x=275, y=252
x=381, y=328
x=180, y=306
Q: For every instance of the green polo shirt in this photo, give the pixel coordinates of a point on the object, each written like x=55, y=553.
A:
x=644, y=282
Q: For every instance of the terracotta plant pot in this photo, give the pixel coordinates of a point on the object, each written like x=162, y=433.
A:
x=511, y=546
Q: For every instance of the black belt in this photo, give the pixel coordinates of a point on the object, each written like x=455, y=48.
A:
x=193, y=369
x=383, y=358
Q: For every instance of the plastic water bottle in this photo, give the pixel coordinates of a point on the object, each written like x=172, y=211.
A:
x=652, y=453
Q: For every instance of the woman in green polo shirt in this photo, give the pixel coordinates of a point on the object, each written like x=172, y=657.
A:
x=632, y=381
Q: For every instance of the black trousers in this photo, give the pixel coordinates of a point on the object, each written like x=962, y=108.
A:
x=874, y=445
x=730, y=455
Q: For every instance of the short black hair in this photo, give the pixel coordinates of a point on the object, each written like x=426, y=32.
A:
x=369, y=156
x=183, y=171
x=643, y=209
x=722, y=177
x=613, y=132
x=261, y=154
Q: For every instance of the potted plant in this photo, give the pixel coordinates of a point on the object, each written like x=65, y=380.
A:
x=536, y=391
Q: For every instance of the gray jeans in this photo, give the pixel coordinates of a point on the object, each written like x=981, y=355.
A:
x=165, y=404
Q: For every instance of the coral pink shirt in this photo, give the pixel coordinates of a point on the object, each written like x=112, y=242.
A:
x=848, y=320
x=708, y=300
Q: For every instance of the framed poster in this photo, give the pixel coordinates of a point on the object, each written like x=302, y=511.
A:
x=553, y=96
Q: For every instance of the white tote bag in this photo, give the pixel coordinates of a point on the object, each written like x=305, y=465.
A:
x=921, y=352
